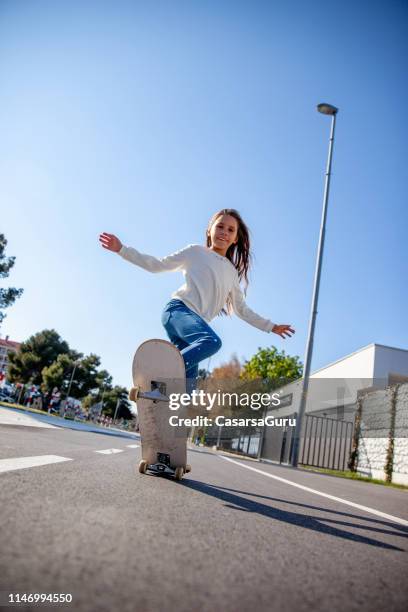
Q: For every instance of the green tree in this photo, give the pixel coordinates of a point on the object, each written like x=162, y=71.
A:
x=87, y=376
x=111, y=395
x=48, y=361
x=57, y=374
x=38, y=352
x=125, y=409
x=274, y=368
x=77, y=375
x=7, y=296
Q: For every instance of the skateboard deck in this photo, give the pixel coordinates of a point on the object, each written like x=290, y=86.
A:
x=158, y=370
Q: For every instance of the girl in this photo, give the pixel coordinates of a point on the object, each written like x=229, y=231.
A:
x=212, y=286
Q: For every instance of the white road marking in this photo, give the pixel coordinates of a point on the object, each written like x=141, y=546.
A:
x=390, y=517
x=20, y=463
x=132, y=445
x=110, y=451
x=10, y=417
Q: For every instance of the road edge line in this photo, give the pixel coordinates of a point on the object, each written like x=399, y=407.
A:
x=390, y=517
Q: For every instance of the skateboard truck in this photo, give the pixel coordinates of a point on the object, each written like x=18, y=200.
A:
x=162, y=466
x=156, y=394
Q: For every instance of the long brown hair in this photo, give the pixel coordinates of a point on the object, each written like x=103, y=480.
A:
x=239, y=254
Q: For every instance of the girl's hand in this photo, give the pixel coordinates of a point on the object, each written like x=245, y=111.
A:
x=110, y=242
x=283, y=330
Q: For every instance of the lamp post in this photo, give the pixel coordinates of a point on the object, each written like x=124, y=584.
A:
x=63, y=407
x=103, y=394
x=325, y=109
x=116, y=409
x=72, y=378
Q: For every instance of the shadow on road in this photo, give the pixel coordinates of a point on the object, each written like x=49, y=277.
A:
x=403, y=531
x=236, y=502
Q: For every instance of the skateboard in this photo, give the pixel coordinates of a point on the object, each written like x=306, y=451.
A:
x=158, y=370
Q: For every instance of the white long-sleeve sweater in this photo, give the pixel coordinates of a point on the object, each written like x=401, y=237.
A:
x=209, y=279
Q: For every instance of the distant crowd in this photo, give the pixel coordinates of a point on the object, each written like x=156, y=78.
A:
x=53, y=403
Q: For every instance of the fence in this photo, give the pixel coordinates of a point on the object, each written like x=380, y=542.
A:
x=324, y=443
x=244, y=441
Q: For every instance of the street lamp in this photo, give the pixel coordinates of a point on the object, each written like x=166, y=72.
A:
x=325, y=109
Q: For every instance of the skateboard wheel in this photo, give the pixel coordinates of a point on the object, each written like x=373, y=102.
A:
x=178, y=474
x=133, y=393
x=187, y=468
x=143, y=466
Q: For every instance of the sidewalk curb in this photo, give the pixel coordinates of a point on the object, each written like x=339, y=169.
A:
x=62, y=423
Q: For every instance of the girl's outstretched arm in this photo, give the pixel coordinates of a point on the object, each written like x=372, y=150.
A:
x=244, y=312
x=173, y=262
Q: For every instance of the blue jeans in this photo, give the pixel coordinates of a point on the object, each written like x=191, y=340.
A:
x=192, y=335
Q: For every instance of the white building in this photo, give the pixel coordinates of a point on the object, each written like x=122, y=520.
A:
x=6, y=346
x=333, y=389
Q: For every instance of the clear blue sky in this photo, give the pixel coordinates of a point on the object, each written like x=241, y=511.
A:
x=144, y=118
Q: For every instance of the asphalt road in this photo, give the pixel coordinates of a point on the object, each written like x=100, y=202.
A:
x=225, y=538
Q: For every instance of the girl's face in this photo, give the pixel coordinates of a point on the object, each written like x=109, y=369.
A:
x=223, y=233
